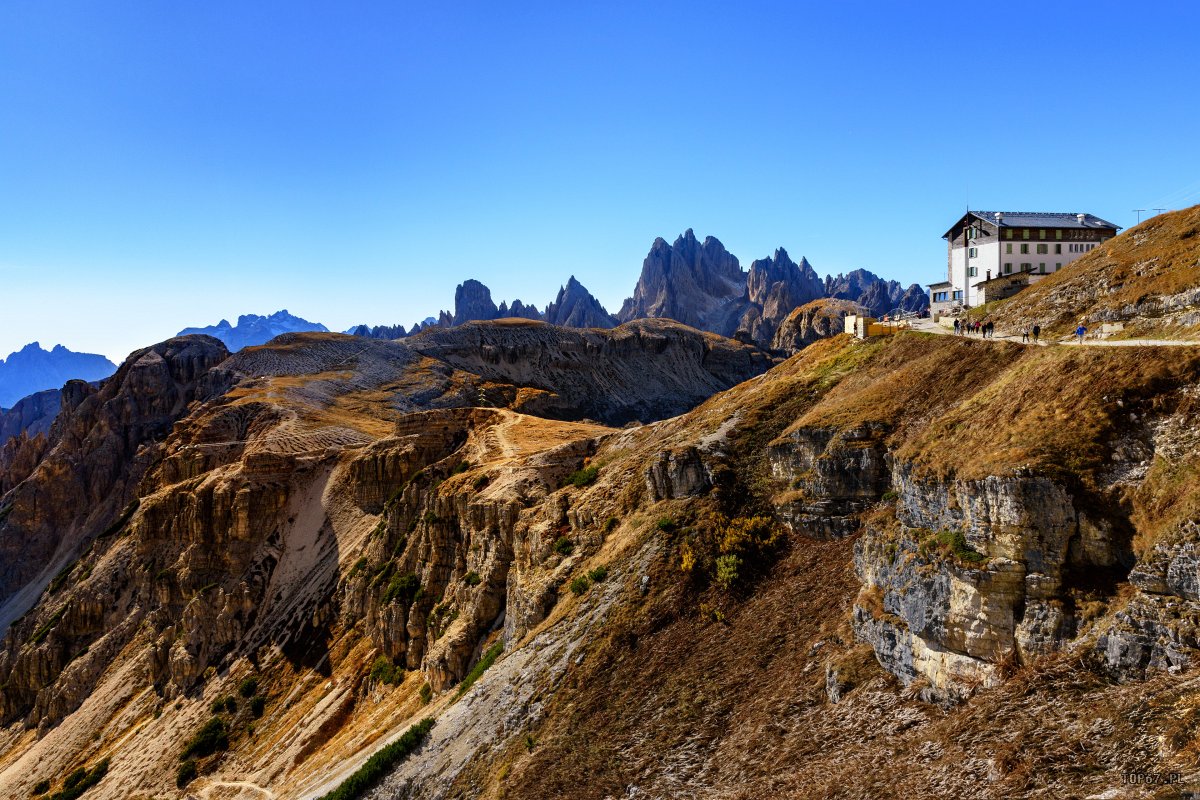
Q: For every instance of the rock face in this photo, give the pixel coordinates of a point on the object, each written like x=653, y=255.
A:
x=252, y=329
x=820, y=319
x=576, y=308
x=698, y=284
x=32, y=369
x=519, y=310
x=31, y=415
x=378, y=331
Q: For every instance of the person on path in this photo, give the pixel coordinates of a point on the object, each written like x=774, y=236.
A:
x=991, y=329
x=1037, y=331
x=1025, y=335
x=956, y=327
x=1081, y=331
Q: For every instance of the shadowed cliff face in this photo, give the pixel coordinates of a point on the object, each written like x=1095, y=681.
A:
x=776, y=577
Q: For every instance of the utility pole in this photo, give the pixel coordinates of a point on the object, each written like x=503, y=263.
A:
x=1159, y=210
x=1139, y=213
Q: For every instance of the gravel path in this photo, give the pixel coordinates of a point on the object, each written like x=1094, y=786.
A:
x=929, y=326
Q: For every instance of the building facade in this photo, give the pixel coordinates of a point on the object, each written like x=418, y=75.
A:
x=983, y=246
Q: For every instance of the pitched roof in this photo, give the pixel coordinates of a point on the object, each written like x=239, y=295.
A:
x=1037, y=219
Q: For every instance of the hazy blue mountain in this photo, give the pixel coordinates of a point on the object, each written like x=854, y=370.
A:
x=32, y=369
x=251, y=329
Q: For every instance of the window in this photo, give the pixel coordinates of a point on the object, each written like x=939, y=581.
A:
x=1026, y=267
x=1058, y=249
x=1043, y=249
x=958, y=294
x=1007, y=267
x=1008, y=248
x=1025, y=233
x=1058, y=266
x=940, y=297
x=1042, y=267
x=1058, y=234
x=1024, y=248
x=1008, y=234
x=1042, y=233
x=972, y=252
x=972, y=272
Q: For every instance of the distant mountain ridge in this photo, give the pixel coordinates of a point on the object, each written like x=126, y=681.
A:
x=698, y=283
x=33, y=369
x=252, y=329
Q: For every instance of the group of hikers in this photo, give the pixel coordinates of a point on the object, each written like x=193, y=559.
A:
x=987, y=329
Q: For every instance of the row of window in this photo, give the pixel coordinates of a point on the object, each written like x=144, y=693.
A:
x=1059, y=233
x=942, y=297
x=1027, y=267
x=1042, y=249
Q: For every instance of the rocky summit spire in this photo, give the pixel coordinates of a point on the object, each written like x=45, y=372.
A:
x=473, y=300
x=575, y=307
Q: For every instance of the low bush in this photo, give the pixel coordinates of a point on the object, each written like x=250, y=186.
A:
x=258, y=704
x=403, y=589
x=480, y=482
x=485, y=661
x=598, y=574
x=472, y=579
x=583, y=477
x=611, y=524
x=431, y=518
x=211, y=738
x=41, y=787
x=956, y=543
x=186, y=773
x=580, y=585
x=383, y=670
x=80, y=781
x=44, y=629
x=725, y=551
x=461, y=467
x=381, y=763
x=248, y=687
x=425, y=692
x=564, y=546
x=666, y=525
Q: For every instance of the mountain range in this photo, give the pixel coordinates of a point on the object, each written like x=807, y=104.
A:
x=700, y=284
x=33, y=369
x=252, y=329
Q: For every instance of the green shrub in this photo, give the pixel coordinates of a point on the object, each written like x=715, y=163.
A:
x=480, y=482
x=461, y=467
x=213, y=736
x=258, y=704
x=248, y=687
x=598, y=574
x=381, y=763
x=890, y=495
x=486, y=661
x=403, y=589
x=727, y=570
x=956, y=543
x=61, y=577
x=583, y=477
x=426, y=692
x=611, y=524
x=431, y=518
x=564, y=546
x=186, y=773
x=41, y=787
x=666, y=525
x=383, y=670
x=80, y=781
x=472, y=579
x=727, y=551
x=44, y=629
x=580, y=585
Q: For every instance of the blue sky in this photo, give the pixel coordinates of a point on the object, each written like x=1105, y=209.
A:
x=169, y=164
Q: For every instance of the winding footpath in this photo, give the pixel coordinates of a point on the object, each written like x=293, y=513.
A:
x=929, y=326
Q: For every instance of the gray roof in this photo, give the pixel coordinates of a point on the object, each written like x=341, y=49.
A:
x=1043, y=219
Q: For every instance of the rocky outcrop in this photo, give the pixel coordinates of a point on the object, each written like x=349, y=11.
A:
x=820, y=319
x=519, y=310
x=677, y=473
x=698, y=284
x=31, y=370
x=252, y=329
x=31, y=415
x=576, y=308
x=378, y=331
x=473, y=301
x=774, y=287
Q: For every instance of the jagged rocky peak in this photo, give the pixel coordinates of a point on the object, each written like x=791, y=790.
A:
x=575, y=307
x=876, y=295
x=378, y=331
x=774, y=287
x=518, y=310
x=698, y=284
x=32, y=369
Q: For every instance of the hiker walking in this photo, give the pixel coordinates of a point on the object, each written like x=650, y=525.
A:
x=956, y=327
x=991, y=329
x=1037, y=331
x=1081, y=331
x=1025, y=335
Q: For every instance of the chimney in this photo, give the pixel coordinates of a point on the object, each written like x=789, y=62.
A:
x=999, y=217
x=1081, y=218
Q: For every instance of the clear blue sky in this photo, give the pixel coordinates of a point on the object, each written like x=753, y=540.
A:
x=168, y=164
